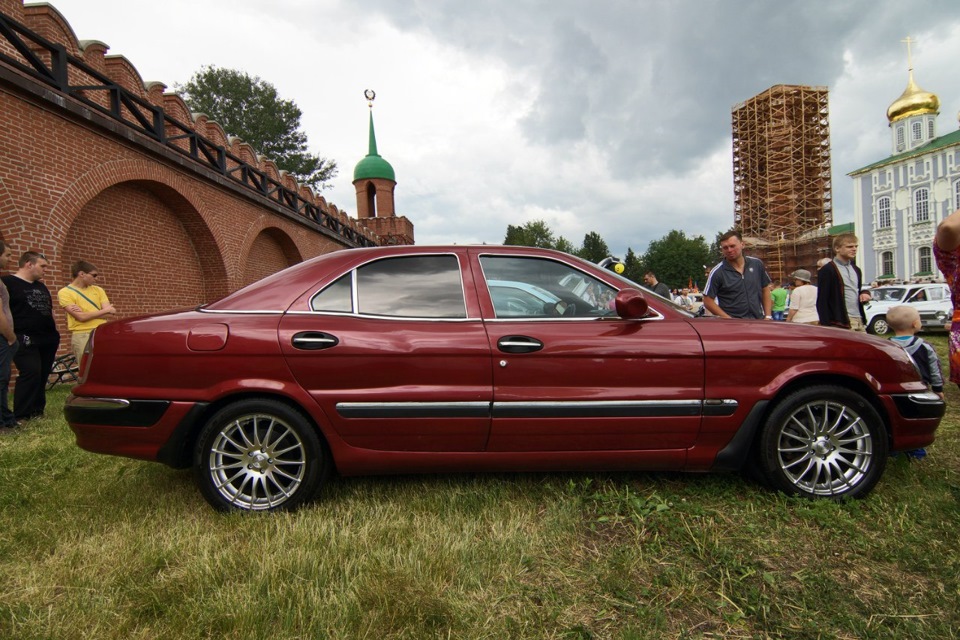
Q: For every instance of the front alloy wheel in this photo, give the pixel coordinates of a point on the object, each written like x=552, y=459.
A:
x=259, y=455
x=824, y=442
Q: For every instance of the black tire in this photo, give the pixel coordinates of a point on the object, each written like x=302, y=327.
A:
x=823, y=442
x=878, y=326
x=259, y=455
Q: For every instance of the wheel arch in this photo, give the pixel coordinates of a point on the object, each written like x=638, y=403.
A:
x=858, y=386
x=178, y=451
x=739, y=453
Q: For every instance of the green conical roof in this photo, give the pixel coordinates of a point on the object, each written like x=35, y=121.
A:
x=373, y=166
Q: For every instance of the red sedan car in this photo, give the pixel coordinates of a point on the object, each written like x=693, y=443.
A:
x=487, y=358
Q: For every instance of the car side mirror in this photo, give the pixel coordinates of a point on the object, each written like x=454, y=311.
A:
x=630, y=304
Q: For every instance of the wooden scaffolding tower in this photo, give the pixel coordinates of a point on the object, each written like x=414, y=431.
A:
x=781, y=169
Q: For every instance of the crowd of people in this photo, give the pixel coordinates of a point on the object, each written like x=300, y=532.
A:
x=30, y=339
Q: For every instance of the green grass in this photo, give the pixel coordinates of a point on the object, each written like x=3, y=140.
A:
x=100, y=547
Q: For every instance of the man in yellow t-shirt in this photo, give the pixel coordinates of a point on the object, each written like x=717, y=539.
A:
x=86, y=305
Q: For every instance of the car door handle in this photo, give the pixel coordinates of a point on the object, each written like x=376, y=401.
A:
x=519, y=344
x=314, y=340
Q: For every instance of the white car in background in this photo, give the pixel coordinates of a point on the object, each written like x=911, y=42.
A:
x=932, y=300
x=697, y=302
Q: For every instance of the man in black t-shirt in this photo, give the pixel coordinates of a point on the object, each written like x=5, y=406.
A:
x=32, y=309
x=651, y=282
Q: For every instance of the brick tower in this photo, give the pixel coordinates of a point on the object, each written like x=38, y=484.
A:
x=375, y=182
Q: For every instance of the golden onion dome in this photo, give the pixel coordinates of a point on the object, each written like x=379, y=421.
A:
x=913, y=102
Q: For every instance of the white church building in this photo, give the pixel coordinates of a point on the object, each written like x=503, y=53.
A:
x=898, y=201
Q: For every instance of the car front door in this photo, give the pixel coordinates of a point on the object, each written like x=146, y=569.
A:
x=393, y=357
x=573, y=376
x=932, y=303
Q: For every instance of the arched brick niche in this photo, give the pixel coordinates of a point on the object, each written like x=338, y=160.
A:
x=150, y=247
x=270, y=251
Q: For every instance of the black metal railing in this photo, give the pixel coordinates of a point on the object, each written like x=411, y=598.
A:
x=49, y=62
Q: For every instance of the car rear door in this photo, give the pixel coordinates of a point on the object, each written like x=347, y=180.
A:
x=587, y=380
x=395, y=354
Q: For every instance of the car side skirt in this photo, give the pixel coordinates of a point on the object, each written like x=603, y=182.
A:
x=554, y=409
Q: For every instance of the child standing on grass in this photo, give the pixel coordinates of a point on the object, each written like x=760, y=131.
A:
x=905, y=322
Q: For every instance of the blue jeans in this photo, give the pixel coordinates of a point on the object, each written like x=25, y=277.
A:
x=779, y=316
x=7, y=351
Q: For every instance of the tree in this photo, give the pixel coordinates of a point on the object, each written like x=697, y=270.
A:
x=535, y=233
x=565, y=245
x=593, y=248
x=677, y=259
x=632, y=267
x=252, y=110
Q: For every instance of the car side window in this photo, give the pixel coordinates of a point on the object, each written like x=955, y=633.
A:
x=539, y=288
x=337, y=296
x=403, y=286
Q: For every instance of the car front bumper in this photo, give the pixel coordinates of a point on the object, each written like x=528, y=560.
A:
x=914, y=418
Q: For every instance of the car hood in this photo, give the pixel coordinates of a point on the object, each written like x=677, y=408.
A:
x=763, y=339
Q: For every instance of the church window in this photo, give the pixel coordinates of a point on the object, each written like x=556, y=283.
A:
x=883, y=213
x=917, y=131
x=921, y=203
x=886, y=263
x=899, y=137
x=956, y=194
x=930, y=129
x=926, y=260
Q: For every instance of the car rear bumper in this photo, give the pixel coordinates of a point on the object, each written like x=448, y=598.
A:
x=114, y=412
x=134, y=428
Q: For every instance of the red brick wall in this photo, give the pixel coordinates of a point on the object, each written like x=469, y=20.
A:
x=267, y=255
x=127, y=230
x=74, y=190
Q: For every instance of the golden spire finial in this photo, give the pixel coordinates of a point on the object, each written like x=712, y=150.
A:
x=370, y=94
x=909, y=41
x=914, y=100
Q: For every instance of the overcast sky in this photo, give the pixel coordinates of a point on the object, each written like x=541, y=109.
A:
x=596, y=115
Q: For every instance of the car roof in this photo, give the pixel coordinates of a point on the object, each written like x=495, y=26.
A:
x=276, y=291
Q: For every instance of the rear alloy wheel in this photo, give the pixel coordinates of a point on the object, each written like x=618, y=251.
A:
x=824, y=442
x=878, y=326
x=259, y=455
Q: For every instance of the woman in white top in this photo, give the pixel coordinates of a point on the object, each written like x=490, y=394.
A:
x=803, y=299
